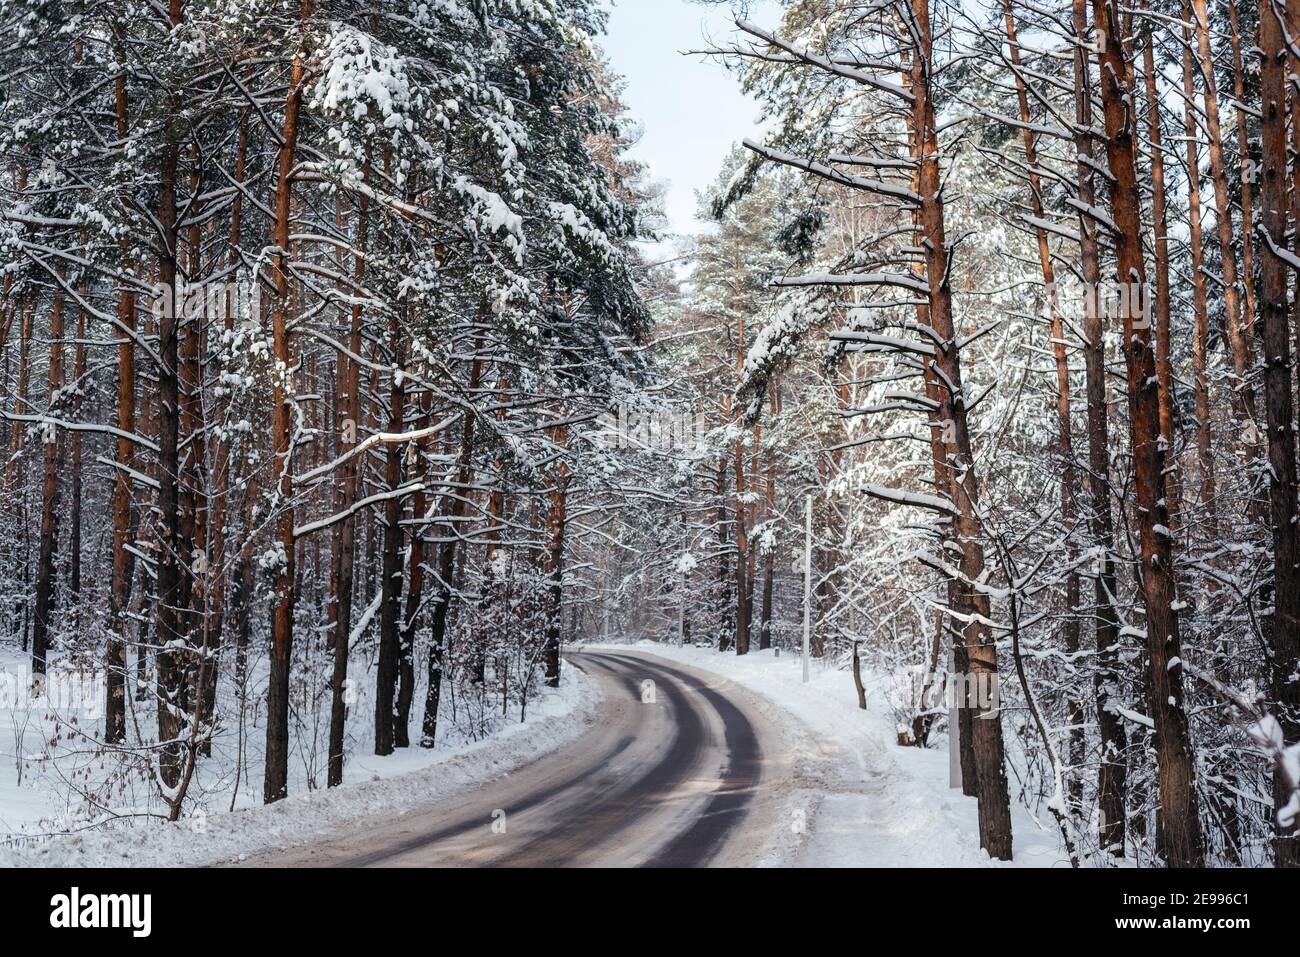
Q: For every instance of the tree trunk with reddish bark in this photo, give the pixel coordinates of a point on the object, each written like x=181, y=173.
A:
x=276, y=781
x=1181, y=838
x=1284, y=635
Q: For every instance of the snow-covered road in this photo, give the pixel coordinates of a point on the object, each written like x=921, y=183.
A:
x=697, y=758
x=671, y=774
x=648, y=755
x=849, y=795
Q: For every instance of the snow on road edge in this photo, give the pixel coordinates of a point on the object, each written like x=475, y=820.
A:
x=555, y=720
x=857, y=799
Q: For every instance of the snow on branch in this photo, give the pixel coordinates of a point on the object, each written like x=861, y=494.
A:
x=410, y=488
x=903, y=280
x=822, y=63
x=835, y=176
x=883, y=343
x=935, y=503
x=379, y=438
x=49, y=420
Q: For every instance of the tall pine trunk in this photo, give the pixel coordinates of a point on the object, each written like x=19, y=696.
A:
x=1284, y=635
x=556, y=528
x=120, y=584
x=346, y=489
x=981, y=651
x=275, y=785
x=454, y=511
x=387, y=734
x=43, y=607
x=1181, y=837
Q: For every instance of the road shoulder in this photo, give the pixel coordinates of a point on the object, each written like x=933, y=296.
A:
x=842, y=792
x=553, y=723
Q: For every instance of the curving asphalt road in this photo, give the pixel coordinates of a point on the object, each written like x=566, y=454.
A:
x=666, y=778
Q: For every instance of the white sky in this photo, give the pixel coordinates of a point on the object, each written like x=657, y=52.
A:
x=690, y=106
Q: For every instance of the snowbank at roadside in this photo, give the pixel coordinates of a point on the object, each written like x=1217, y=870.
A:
x=385, y=787
x=862, y=800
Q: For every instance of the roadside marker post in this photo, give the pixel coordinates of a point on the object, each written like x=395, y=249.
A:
x=954, y=726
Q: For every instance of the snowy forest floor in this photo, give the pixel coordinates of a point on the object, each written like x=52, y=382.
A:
x=46, y=819
x=858, y=799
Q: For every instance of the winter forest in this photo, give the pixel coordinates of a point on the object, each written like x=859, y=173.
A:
x=350, y=378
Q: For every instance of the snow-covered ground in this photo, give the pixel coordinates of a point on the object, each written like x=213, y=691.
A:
x=861, y=800
x=851, y=795
x=33, y=805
